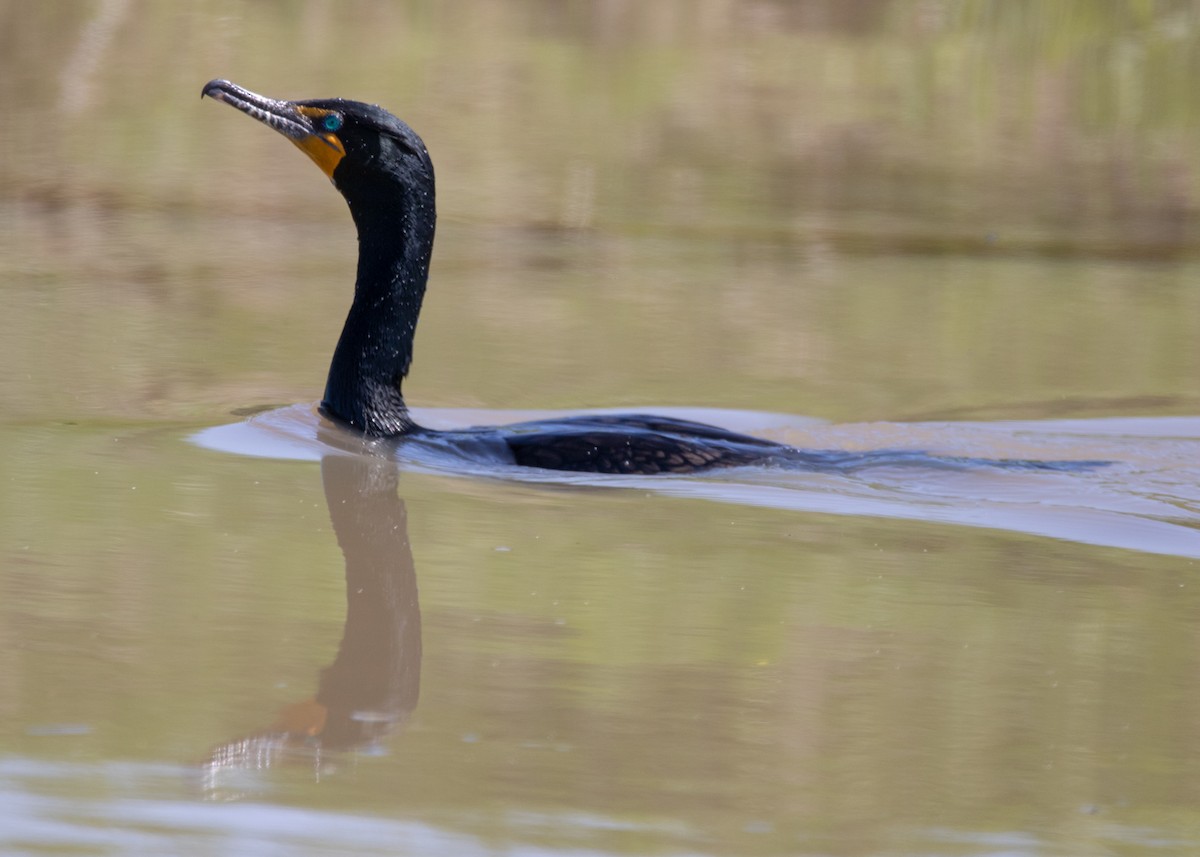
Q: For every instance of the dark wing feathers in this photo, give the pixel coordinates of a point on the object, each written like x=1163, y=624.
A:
x=637, y=452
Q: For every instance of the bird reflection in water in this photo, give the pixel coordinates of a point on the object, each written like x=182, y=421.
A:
x=372, y=685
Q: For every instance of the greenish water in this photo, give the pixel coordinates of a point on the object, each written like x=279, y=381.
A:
x=963, y=227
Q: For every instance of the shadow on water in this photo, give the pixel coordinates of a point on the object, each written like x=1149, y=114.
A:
x=373, y=684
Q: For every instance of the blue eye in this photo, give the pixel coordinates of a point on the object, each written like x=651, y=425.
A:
x=332, y=122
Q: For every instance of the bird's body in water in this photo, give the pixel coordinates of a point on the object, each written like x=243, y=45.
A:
x=383, y=170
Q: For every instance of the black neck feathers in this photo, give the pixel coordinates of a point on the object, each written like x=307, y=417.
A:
x=395, y=214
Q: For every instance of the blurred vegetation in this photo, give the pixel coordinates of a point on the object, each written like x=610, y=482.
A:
x=1063, y=127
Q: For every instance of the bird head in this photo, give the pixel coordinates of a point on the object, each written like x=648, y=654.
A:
x=360, y=147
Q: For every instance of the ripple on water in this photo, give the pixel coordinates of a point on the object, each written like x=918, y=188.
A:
x=1146, y=499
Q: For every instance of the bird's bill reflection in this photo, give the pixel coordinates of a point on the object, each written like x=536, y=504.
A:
x=373, y=684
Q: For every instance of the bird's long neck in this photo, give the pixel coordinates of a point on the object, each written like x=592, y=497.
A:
x=395, y=240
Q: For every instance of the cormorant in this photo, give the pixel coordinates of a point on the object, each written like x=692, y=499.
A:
x=383, y=170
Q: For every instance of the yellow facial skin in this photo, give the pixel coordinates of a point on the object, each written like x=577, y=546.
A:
x=325, y=148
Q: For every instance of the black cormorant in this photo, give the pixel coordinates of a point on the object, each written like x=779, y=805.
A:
x=383, y=170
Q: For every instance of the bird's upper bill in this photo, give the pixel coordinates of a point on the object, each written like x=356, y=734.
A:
x=300, y=123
